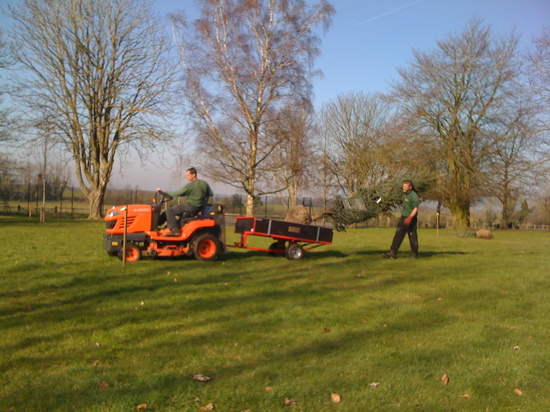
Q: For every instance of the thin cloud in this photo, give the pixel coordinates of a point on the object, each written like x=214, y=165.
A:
x=388, y=12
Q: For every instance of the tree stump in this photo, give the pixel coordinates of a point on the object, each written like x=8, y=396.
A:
x=298, y=214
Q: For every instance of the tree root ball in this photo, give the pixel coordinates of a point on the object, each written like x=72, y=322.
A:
x=298, y=214
x=484, y=234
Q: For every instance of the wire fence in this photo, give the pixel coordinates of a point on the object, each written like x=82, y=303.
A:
x=74, y=205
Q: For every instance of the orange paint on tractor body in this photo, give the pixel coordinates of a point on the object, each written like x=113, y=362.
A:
x=142, y=234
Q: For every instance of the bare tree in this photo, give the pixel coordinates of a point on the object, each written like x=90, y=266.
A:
x=520, y=159
x=5, y=121
x=4, y=54
x=453, y=96
x=516, y=158
x=538, y=73
x=322, y=177
x=289, y=166
x=244, y=61
x=96, y=79
x=356, y=126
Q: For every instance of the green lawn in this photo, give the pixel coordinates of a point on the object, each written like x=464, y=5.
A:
x=80, y=332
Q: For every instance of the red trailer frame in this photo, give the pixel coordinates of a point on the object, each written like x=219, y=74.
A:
x=291, y=238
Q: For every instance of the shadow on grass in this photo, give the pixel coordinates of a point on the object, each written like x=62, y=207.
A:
x=282, y=357
x=277, y=361
x=228, y=256
x=407, y=254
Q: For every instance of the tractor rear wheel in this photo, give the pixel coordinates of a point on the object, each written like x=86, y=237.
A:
x=206, y=247
x=133, y=253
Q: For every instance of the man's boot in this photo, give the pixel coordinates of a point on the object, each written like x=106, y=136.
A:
x=389, y=255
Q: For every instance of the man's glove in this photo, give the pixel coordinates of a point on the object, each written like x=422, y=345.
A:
x=408, y=220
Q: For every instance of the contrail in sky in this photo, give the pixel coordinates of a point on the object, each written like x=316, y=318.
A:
x=388, y=12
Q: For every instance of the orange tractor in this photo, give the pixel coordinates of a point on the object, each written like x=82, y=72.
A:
x=132, y=230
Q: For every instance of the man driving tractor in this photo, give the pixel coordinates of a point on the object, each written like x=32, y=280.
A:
x=197, y=192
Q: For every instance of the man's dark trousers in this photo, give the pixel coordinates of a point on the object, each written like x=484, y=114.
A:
x=179, y=210
x=401, y=231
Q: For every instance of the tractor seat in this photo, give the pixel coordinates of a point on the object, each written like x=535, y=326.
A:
x=205, y=211
x=186, y=217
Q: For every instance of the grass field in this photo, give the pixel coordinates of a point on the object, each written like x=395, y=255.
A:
x=80, y=332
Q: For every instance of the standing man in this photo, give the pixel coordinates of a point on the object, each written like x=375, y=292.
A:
x=197, y=192
x=407, y=222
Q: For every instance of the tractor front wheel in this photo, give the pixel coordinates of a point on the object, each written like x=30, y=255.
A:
x=206, y=247
x=133, y=253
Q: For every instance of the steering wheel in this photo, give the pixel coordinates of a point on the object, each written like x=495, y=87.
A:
x=165, y=197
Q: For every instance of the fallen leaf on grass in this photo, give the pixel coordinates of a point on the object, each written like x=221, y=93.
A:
x=268, y=389
x=103, y=385
x=95, y=363
x=291, y=402
x=465, y=395
x=326, y=330
x=335, y=398
x=374, y=384
x=445, y=379
x=516, y=347
x=141, y=406
x=518, y=392
x=209, y=407
x=200, y=377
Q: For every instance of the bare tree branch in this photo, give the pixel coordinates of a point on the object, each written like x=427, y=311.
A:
x=455, y=95
x=97, y=77
x=243, y=62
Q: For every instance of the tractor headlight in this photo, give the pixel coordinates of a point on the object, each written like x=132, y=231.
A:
x=113, y=213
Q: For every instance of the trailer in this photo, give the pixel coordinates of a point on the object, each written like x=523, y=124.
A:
x=291, y=239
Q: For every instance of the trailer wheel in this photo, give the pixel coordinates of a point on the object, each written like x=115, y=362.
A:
x=133, y=253
x=206, y=247
x=273, y=247
x=294, y=251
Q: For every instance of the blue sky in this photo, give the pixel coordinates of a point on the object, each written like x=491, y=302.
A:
x=369, y=39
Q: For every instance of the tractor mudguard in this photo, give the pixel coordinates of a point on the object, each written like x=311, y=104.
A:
x=187, y=231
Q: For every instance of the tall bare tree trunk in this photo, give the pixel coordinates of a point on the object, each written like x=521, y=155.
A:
x=96, y=199
x=249, y=205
